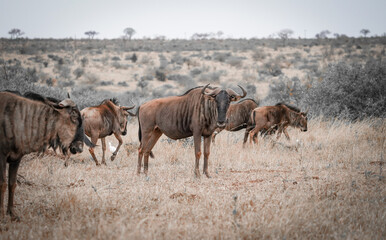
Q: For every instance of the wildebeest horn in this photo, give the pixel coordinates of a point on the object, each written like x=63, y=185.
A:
x=68, y=95
x=128, y=108
x=244, y=92
x=203, y=90
x=67, y=103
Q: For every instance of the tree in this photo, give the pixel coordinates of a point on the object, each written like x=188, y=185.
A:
x=365, y=32
x=129, y=32
x=15, y=33
x=219, y=34
x=285, y=34
x=91, y=34
x=323, y=34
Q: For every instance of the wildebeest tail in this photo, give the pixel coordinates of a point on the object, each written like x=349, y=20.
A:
x=140, y=132
x=253, y=117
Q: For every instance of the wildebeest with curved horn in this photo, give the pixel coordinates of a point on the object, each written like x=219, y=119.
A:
x=103, y=120
x=239, y=117
x=196, y=113
x=279, y=116
x=31, y=126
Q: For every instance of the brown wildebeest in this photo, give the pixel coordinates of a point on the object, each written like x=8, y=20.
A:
x=31, y=126
x=196, y=113
x=102, y=121
x=280, y=116
x=239, y=117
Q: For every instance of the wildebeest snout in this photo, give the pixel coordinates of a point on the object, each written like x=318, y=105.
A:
x=76, y=147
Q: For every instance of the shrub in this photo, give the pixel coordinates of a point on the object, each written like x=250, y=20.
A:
x=160, y=75
x=78, y=72
x=286, y=90
x=352, y=91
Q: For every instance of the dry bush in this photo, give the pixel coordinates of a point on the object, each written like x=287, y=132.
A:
x=326, y=183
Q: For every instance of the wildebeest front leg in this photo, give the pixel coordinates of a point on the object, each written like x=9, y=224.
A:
x=3, y=183
x=286, y=134
x=103, y=140
x=197, y=151
x=12, y=174
x=119, y=138
x=94, y=140
x=206, y=155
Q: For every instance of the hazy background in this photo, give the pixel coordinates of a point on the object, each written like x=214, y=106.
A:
x=181, y=19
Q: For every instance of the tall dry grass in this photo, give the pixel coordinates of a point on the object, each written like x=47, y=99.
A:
x=327, y=183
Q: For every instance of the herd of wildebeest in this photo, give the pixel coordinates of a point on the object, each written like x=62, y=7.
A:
x=31, y=122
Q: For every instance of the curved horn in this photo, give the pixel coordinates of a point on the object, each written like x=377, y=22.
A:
x=203, y=89
x=244, y=92
x=67, y=103
x=128, y=108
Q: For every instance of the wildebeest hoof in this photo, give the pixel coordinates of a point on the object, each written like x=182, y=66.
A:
x=13, y=216
x=207, y=175
x=112, y=157
x=104, y=163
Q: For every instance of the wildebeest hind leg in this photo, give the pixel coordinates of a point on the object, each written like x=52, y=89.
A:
x=119, y=138
x=12, y=174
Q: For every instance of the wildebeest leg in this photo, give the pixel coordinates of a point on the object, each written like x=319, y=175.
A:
x=94, y=140
x=286, y=134
x=119, y=138
x=3, y=183
x=66, y=159
x=155, y=135
x=197, y=151
x=206, y=155
x=103, y=140
x=246, y=134
x=12, y=174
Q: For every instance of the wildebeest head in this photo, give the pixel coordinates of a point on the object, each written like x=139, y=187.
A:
x=123, y=114
x=223, y=99
x=300, y=121
x=71, y=132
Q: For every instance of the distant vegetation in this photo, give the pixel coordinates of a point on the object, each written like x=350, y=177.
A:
x=340, y=77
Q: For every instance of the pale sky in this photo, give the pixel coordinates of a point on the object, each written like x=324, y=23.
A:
x=181, y=19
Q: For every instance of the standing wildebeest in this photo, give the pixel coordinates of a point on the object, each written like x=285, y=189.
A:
x=239, y=117
x=103, y=120
x=198, y=112
x=280, y=116
x=31, y=126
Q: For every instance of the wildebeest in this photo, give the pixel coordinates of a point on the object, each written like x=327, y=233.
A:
x=196, y=113
x=103, y=120
x=31, y=126
x=239, y=117
x=280, y=116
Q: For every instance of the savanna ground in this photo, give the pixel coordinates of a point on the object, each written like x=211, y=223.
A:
x=326, y=183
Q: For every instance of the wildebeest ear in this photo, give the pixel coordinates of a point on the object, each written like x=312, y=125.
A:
x=67, y=103
x=68, y=95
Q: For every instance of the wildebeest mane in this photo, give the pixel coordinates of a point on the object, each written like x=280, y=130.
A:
x=113, y=100
x=293, y=108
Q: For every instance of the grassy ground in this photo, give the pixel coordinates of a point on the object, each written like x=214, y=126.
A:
x=325, y=183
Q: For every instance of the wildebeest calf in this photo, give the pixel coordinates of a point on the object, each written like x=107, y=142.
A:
x=103, y=120
x=281, y=116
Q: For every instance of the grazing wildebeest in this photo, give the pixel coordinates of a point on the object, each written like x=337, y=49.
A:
x=196, y=113
x=280, y=116
x=239, y=117
x=103, y=120
x=31, y=126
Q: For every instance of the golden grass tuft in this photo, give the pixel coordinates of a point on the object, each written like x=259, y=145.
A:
x=325, y=183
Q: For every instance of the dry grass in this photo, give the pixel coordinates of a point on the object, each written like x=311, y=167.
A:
x=329, y=184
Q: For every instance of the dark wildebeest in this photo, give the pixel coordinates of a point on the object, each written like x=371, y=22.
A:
x=239, y=117
x=196, y=113
x=103, y=120
x=31, y=126
x=280, y=116
x=79, y=139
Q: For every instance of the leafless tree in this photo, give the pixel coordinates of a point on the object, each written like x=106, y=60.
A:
x=129, y=32
x=285, y=34
x=365, y=32
x=323, y=34
x=91, y=34
x=15, y=33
